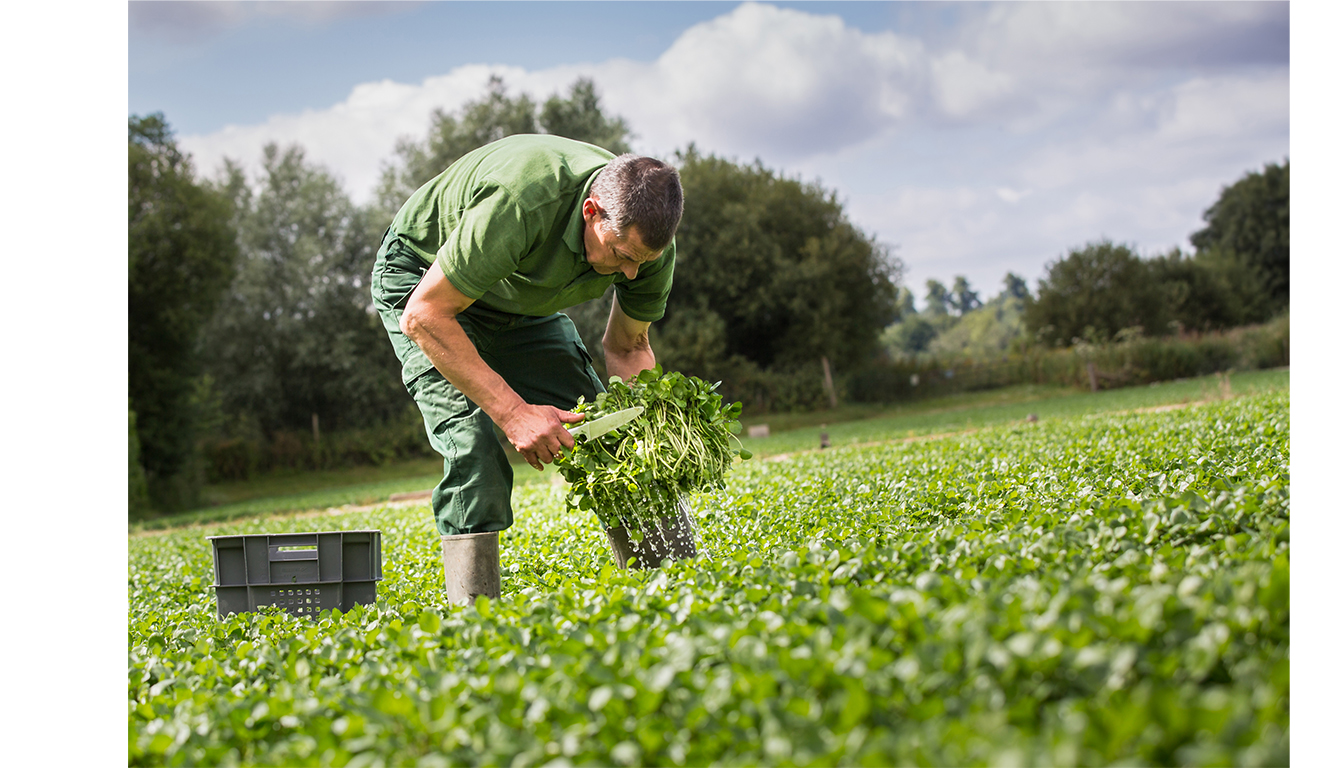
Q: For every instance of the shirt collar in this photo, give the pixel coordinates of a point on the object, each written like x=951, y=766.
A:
x=573, y=237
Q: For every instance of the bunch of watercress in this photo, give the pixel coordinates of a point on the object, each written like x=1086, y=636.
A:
x=637, y=474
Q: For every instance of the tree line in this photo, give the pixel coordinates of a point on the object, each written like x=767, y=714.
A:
x=253, y=344
x=1102, y=291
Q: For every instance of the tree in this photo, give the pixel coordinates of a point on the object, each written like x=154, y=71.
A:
x=1203, y=295
x=1094, y=292
x=905, y=304
x=694, y=338
x=991, y=329
x=939, y=302
x=910, y=336
x=963, y=298
x=1016, y=287
x=937, y=298
x=137, y=482
x=917, y=334
x=769, y=270
x=580, y=117
x=182, y=253
x=1248, y=227
x=296, y=335
x=910, y=333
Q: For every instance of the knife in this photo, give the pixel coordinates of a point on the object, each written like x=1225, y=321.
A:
x=606, y=423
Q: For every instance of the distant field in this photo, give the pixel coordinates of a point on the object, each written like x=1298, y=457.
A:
x=791, y=432
x=979, y=409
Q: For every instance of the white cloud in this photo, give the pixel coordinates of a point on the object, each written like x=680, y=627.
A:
x=778, y=83
x=1164, y=135
x=1058, y=37
x=757, y=82
x=1035, y=63
x=964, y=86
x=788, y=86
x=1227, y=108
x=352, y=138
x=1044, y=126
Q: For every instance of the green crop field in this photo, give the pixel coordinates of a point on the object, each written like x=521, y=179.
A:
x=1086, y=589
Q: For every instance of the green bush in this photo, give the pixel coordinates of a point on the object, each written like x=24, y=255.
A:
x=240, y=458
x=775, y=390
x=232, y=459
x=1130, y=360
x=1267, y=346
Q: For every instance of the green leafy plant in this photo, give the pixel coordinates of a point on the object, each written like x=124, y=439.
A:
x=636, y=475
x=1090, y=589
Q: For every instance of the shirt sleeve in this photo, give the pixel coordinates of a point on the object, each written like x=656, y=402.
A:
x=487, y=244
x=644, y=297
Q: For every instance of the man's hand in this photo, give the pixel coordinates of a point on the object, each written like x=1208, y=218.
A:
x=539, y=432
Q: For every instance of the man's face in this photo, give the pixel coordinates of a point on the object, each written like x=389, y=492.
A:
x=608, y=254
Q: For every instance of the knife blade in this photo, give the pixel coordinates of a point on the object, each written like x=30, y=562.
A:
x=607, y=423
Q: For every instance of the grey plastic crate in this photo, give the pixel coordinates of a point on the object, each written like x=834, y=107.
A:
x=303, y=573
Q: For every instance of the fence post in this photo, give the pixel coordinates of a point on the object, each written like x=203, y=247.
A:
x=1093, y=376
x=828, y=382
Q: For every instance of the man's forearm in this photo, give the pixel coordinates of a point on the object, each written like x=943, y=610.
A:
x=429, y=320
x=445, y=343
x=627, y=344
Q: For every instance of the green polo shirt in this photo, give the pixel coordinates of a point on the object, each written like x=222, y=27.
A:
x=505, y=224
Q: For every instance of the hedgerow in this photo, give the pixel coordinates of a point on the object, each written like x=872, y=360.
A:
x=1089, y=590
x=1126, y=361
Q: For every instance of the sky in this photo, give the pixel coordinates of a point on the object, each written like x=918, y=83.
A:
x=974, y=139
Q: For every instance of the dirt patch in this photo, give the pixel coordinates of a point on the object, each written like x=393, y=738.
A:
x=411, y=496
x=415, y=500
x=892, y=441
x=1160, y=408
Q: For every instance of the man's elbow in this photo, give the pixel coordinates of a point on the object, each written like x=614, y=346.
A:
x=411, y=320
x=623, y=345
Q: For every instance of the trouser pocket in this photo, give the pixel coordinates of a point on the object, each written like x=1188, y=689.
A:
x=395, y=275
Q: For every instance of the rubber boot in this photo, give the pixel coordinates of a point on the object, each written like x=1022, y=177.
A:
x=470, y=561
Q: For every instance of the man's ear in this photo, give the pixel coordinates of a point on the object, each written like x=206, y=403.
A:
x=591, y=210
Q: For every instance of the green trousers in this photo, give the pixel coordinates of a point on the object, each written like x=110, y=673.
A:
x=542, y=358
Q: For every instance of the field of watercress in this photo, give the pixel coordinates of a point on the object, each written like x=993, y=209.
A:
x=1085, y=590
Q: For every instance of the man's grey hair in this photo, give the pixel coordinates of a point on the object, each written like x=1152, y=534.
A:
x=642, y=192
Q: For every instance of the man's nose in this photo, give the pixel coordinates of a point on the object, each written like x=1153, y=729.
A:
x=630, y=270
